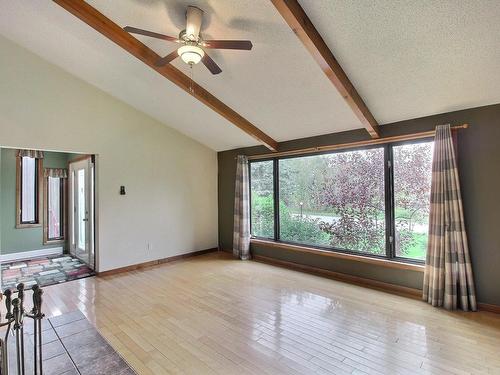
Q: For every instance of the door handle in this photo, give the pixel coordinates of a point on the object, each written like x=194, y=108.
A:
x=86, y=219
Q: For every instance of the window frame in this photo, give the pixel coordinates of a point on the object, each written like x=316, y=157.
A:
x=390, y=246
x=393, y=205
x=332, y=248
x=20, y=224
x=63, y=214
x=250, y=196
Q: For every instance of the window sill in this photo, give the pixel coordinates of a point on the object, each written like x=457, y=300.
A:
x=54, y=242
x=353, y=257
x=24, y=226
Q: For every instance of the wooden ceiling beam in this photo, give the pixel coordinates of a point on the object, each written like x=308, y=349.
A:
x=115, y=33
x=302, y=26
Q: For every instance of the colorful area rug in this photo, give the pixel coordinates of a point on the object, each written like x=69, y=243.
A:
x=44, y=271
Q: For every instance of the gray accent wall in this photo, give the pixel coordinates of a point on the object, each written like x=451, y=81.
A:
x=479, y=166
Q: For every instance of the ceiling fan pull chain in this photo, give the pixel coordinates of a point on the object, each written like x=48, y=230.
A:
x=191, y=77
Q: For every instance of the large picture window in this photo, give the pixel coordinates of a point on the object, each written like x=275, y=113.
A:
x=372, y=201
x=334, y=200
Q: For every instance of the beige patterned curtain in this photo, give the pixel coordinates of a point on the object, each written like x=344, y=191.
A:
x=55, y=172
x=30, y=153
x=448, y=279
x=241, y=231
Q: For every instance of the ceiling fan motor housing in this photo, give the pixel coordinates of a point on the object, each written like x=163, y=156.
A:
x=185, y=38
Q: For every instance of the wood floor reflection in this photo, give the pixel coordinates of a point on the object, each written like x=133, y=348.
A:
x=214, y=315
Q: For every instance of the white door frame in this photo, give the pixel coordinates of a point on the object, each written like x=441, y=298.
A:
x=84, y=163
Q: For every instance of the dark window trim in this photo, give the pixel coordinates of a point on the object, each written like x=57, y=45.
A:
x=390, y=253
x=389, y=202
x=276, y=197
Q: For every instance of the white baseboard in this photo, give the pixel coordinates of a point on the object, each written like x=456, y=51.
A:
x=5, y=258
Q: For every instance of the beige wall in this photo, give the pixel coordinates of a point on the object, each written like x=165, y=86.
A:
x=171, y=199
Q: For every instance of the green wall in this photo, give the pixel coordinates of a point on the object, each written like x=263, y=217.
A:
x=13, y=240
x=0, y=205
x=479, y=164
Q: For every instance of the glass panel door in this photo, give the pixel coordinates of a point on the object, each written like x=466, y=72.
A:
x=81, y=219
x=81, y=213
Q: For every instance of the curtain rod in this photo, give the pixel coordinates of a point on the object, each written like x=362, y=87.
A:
x=341, y=146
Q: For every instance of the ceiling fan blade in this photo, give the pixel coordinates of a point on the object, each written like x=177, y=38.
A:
x=194, y=17
x=211, y=64
x=228, y=44
x=165, y=60
x=135, y=30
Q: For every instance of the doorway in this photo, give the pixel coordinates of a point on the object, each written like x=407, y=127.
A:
x=37, y=202
x=81, y=210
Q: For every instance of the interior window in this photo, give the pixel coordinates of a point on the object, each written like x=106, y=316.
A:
x=55, y=206
x=28, y=191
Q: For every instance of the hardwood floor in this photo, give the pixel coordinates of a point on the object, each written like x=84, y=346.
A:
x=214, y=315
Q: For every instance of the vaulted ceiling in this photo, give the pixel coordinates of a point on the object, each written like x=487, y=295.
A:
x=406, y=61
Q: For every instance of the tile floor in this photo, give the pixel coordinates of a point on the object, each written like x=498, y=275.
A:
x=71, y=345
x=44, y=271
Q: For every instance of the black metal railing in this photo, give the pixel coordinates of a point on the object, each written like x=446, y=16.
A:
x=14, y=325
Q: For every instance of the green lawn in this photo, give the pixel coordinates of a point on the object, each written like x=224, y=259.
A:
x=418, y=248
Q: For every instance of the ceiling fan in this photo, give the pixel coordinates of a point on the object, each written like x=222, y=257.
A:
x=191, y=51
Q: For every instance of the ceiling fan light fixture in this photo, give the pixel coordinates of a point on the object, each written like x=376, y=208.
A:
x=192, y=42
x=191, y=54
x=194, y=18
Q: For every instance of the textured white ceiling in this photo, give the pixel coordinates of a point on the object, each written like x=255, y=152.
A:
x=410, y=59
x=407, y=60
x=276, y=86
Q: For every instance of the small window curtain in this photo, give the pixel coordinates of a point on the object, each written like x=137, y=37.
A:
x=30, y=154
x=55, y=172
x=448, y=279
x=241, y=231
